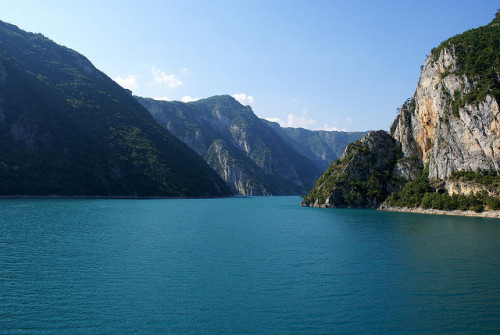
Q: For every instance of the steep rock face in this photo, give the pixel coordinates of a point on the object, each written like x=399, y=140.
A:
x=240, y=176
x=467, y=188
x=251, y=157
x=450, y=126
x=401, y=129
x=454, y=122
x=361, y=177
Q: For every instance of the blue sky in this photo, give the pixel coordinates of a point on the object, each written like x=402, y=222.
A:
x=314, y=64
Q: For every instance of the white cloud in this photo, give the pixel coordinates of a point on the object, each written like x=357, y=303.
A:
x=295, y=121
x=304, y=121
x=161, y=78
x=184, y=71
x=338, y=124
x=331, y=128
x=301, y=121
x=129, y=82
x=274, y=119
x=162, y=98
x=244, y=99
x=187, y=98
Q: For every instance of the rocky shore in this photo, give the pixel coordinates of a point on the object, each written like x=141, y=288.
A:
x=485, y=214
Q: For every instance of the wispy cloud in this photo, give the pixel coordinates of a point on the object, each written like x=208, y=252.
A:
x=162, y=78
x=295, y=121
x=244, y=99
x=162, y=98
x=304, y=121
x=274, y=119
x=337, y=124
x=129, y=82
x=331, y=128
x=187, y=98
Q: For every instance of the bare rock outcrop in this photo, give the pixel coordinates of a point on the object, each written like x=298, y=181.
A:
x=451, y=126
x=444, y=131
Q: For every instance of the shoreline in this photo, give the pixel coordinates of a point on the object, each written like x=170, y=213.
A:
x=485, y=214
x=118, y=197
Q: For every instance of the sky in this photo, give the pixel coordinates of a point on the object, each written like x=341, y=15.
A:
x=332, y=65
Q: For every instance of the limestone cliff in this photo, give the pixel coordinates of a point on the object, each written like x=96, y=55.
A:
x=451, y=126
x=443, y=130
x=238, y=173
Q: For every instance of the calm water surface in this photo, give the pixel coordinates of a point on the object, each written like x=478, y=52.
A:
x=242, y=265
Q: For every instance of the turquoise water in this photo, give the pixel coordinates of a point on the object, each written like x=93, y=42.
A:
x=242, y=265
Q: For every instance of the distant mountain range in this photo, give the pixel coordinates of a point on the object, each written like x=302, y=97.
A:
x=254, y=156
x=322, y=147
x=68, y=129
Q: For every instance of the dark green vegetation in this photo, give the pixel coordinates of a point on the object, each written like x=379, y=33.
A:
x=320, y=146
x=360, y=177
x=477, y=53
x=254, y=156
x=420, y=193
x=356, y=181
x=68, y=129
x=488, y=179
x=363, y=177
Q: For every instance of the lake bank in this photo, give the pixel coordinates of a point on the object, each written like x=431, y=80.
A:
x=485, y=214
x=119, y=197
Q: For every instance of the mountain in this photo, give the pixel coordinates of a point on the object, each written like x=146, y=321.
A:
x=449, y=130
x=68, y=129
x=248, y=154
x=322, y=147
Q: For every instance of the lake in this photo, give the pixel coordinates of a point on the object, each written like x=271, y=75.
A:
x=254, y=265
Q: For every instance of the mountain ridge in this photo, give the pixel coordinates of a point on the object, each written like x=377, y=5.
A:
x=253, y=155
x=68, y=129
x=249, y=155
x=320, y=146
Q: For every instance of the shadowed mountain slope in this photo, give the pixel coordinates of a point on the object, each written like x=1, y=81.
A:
x=68, y=129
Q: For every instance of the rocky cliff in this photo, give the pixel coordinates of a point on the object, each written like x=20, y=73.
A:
x=444, y=129
x=451, y=126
